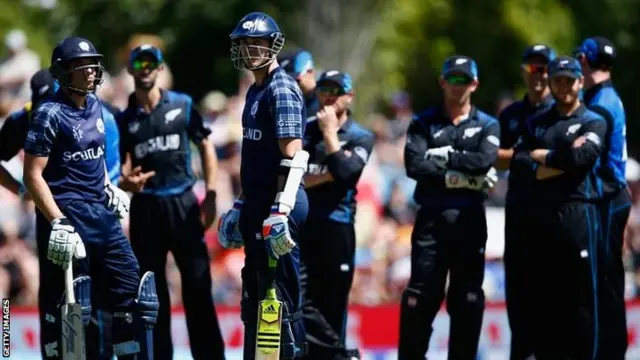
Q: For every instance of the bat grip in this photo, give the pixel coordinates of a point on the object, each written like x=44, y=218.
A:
x=68, y=284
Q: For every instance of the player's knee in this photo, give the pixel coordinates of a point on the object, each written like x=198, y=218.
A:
x=465, y=297
x=133, y=329
x=414, y=299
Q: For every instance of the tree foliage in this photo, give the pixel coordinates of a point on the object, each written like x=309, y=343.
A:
x=386, y=45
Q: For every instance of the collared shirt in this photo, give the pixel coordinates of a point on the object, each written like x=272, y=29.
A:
x=74, y=141
x=550, y=130
x=159, y=141
x=475, y=140
x=336, y=200
x=274, y=110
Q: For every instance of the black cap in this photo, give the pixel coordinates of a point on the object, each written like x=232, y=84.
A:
x=540, y=50
x=42, y=85
x=565, y=66
x=460, y=64
x=598, y=50
x=342, y=79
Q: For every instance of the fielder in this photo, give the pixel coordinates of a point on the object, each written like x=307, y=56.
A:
x=339, y=149
x=559, y=150
x=270, y=214
x=157, y=128
x=78, y=208
x=597, y=56
x=450, y=150
x=299, y=65
x=517, y=261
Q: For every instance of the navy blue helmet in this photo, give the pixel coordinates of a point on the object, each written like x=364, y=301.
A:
x=74, y=48
x=256, y=25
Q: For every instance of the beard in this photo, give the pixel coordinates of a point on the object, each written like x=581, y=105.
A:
x=144, y=85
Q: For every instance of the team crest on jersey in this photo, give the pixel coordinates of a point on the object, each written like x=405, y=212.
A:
x=100, y=126
x=171, y=115
x=471, y=132
x=134, y=127
x=254, y=109
x=77, y=132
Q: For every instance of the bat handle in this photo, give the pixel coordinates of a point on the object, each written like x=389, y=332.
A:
x=273, y=263
x=68, y=284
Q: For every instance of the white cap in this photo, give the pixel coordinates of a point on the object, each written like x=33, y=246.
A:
x=16, y=39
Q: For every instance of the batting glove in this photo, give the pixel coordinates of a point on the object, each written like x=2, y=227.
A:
x=275, y=230
x=457, y=180
x=439, y=155
x=117, y=200
x=64, y=243
x=229, y=235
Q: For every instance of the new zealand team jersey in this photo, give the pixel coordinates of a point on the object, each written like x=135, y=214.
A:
x=604, y=100
x=159, y=141
x=475, y=140
x=275, y=110
x=336, y=200
x=73, y=139
x=513, y=121
x=557, y=133
x=15, y=127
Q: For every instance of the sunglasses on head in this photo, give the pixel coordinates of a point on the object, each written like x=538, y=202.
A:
x=458, y=79
x=331, y=90
x=534, y=68
x=144, y=64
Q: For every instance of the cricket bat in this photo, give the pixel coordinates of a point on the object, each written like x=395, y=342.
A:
x=72, y=329
x=269, y=322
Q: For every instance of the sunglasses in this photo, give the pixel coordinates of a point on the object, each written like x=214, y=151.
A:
x=144, y=64
x=534, y=68
x=458, y=80
x=331, y=91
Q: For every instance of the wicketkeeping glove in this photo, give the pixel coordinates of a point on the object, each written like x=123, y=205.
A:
x=275, y=231
x=457, y=180
x=64, y=243
x=439, y=155
x=117, y=200
x=229, y=235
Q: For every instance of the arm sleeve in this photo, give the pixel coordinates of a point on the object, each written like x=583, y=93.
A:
x=42, y=131
x=112, y=146
x=347, y=169
x=571, y=158
x=123, y=132
x=480, y=161
x=195, y=124
x=287, y=108
x=419, y=168
x=522, y=160
x=12, y=135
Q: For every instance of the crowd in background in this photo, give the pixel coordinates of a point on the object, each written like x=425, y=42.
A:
x=384, y=217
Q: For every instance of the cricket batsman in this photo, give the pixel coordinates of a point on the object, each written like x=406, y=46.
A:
x=339, y=149
x=450, y=151
x=560, y=149
x=269, y=216
x=79, y=210
x=157, y=129
x=597, y=56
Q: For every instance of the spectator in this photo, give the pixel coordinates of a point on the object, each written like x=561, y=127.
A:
x=16, y=71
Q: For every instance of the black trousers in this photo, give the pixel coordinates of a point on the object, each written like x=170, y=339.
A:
x=520, y=243
x=564, y=297
x=162, y=224
x=612, y=312
x=328, y=254
x=445, y=242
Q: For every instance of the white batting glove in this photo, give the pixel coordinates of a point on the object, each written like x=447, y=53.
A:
x=439, y=155
x=457, y=180
x=275, y=230
x=117, y=200
x=64, y=243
